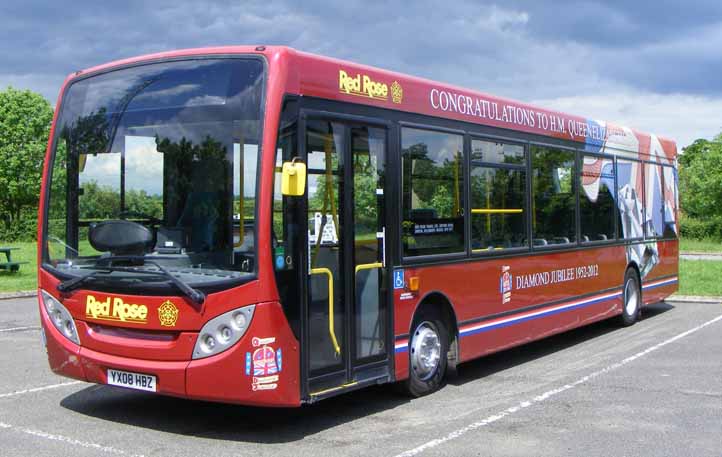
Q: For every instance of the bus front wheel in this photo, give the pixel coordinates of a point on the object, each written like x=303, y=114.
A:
x=428, y=349
x=632, y=296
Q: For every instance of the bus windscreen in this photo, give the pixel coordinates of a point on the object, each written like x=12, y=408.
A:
x=154, y=165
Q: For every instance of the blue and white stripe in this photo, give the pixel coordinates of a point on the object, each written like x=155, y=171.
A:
x=402, y=344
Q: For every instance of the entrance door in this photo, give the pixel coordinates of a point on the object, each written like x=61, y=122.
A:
x=346, y=311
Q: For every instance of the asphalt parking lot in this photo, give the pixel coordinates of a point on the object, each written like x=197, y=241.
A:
x=651, y=389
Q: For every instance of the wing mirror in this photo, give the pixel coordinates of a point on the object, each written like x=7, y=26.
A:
x=293, y=178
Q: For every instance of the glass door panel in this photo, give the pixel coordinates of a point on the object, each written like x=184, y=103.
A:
x=346, y=310
x=368, y=156
x=325, y=146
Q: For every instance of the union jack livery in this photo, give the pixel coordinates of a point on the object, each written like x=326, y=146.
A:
x=278, y=227
x=264, y=362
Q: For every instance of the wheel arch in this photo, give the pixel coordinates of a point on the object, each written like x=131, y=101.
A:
x=633, y=265
x=437, y=300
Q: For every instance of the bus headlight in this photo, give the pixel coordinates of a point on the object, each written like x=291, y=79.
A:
x=222, y=332
x=60, y=317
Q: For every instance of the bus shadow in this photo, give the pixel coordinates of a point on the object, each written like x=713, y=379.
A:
x=229, y=422
x=284, y=425
x=509, y=358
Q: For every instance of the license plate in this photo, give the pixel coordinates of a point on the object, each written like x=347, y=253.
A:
x=132, y=380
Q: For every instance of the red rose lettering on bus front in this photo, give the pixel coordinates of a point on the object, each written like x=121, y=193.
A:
x=119, y=311
x=557, y=276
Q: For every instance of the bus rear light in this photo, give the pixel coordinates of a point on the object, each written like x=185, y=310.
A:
x=222, y=332
x=60, y=317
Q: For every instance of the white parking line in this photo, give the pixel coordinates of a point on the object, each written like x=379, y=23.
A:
x=549, y=394
x=67, y=440
x=17, y=329
x=38, y=389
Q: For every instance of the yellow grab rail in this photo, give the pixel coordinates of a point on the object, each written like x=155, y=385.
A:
x=368, y=266
x=331, y=331
x=497, y=211
x=488, y=249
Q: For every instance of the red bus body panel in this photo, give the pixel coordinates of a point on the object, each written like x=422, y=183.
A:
x=222, y=377
x=532, y=313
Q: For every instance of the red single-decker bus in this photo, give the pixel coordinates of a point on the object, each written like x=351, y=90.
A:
x=262, y=226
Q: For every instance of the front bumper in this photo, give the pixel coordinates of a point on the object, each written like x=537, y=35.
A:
x=261, y=369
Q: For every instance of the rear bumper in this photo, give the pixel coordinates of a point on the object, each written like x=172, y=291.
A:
x=261, y=369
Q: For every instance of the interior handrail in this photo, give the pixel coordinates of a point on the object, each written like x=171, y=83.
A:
x=331, y=331
x=368, y=266
x=497, y=211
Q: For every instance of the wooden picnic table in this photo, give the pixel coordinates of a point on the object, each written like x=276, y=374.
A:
x=9, y=265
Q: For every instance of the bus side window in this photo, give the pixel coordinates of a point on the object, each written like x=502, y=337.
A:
x=498, y=196
x=669, y=175
x=654, y=201
x=630, y=191
x=433, y=190
x=596, y=198
x=554, y=195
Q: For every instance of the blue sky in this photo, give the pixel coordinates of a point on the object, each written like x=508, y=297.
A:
x=652, y=65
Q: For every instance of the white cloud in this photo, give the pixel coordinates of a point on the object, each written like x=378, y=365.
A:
x=144, y=165
x=47, y=85
x=653, y=67
x=683, y=118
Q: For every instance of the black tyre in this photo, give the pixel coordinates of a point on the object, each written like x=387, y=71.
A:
x=428, y=349
x=632, y=298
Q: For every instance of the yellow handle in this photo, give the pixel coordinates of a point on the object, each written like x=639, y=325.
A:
x=368, y=266
x=497, y=211
x=331, y=331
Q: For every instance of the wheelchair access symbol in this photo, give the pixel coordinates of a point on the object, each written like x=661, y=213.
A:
x=398, y=279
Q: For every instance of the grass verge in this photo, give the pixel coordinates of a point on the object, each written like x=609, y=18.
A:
x=700, y=277
x=26, y=278
x=706, y=245
x=696, y=277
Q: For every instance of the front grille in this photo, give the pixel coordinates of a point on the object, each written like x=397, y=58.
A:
x=133, y=333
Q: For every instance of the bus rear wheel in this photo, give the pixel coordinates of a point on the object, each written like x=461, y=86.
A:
x=632, y=297
x=428, y=349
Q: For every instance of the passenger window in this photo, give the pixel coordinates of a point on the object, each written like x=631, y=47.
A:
x=498, y=194
x=670, y=201
x=654, y=204
x=554, y=196
x=596, y=201
x=630, y=190
x=433, y=183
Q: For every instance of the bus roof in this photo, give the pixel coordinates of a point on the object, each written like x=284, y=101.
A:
x=324, y=77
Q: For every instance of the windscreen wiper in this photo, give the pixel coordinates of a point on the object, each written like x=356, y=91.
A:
x=195, y=295
x=72, y=283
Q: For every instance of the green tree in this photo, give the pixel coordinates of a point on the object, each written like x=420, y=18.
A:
x=25, y=119
x=700, y=179
x=317, y=200
x=365, y=201
x=697, y=149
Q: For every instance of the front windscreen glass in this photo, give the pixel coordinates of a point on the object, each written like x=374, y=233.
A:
x=156, y=165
